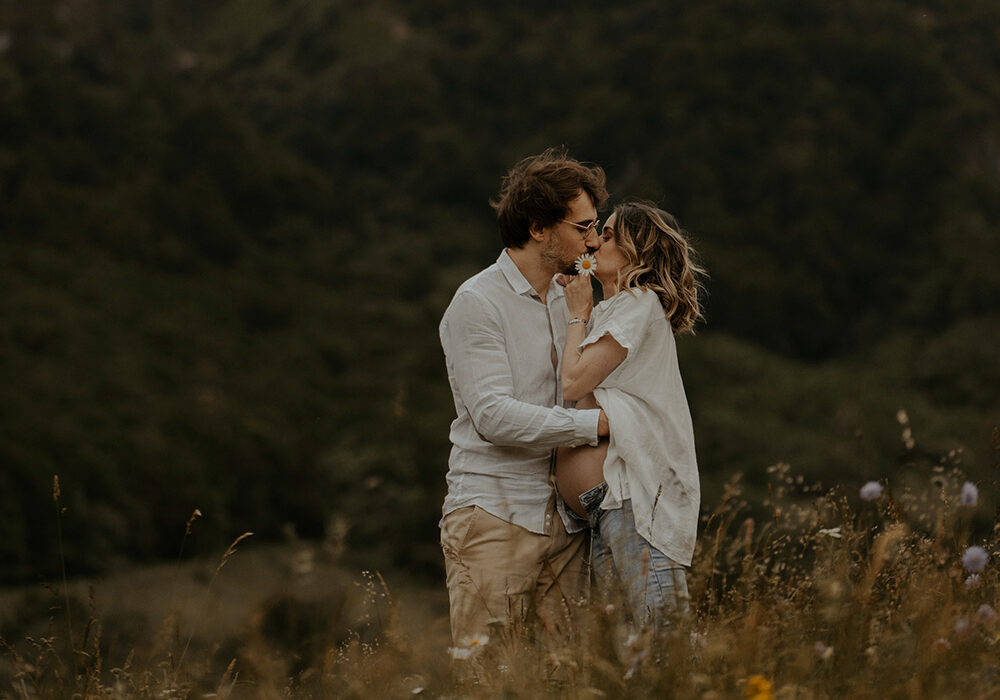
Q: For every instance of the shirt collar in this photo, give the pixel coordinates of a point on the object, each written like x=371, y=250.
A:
x=518, y=282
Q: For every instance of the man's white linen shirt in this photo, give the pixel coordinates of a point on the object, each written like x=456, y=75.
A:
x=502, y=349
x=651, y=455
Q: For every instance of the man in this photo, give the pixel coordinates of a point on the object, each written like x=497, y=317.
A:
x=511, y=551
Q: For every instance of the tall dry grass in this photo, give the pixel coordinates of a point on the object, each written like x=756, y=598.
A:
x=815, y=593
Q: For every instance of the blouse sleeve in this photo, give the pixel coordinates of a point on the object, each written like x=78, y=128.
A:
x=626, y=320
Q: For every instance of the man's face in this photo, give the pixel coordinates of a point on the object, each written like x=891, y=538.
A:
x=567, y=240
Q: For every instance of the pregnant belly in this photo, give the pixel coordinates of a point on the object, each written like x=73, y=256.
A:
x=579, y=469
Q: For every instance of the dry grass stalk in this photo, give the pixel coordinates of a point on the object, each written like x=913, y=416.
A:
x=822, y=596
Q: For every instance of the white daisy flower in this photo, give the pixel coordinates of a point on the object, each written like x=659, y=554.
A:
x=476, y=640
x=586, y=264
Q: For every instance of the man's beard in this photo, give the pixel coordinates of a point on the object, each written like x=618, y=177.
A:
x=556, y=256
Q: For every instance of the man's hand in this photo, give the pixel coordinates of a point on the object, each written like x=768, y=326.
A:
x=603, y=429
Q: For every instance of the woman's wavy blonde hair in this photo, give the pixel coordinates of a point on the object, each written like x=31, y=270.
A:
x=658, y=257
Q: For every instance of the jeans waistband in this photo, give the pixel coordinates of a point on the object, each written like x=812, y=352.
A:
x=592, y=498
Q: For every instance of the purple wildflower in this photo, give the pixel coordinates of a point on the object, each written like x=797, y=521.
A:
x=985, y=614
x=871, y=490
x=970, y=494
x=975, y=559
x=823, y=651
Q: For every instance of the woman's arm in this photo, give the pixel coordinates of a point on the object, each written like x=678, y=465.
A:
x=581, y=372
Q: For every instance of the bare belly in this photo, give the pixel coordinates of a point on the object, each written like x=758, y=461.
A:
x=579, y=469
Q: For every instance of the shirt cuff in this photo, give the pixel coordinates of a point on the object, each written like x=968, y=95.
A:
x=586, y=426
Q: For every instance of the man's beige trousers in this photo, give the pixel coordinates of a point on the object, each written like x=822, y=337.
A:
x=502, y=573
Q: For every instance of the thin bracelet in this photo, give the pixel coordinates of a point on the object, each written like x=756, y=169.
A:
x=576, y=320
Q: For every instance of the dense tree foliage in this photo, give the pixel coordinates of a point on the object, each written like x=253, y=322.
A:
x=228, y=231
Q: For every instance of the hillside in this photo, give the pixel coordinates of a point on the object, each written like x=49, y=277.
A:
x=228, y=231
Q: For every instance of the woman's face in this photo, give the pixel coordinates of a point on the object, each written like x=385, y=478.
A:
x=609, y=256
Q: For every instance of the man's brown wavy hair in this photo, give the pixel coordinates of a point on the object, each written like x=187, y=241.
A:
x=658, y=257
x=537, y=191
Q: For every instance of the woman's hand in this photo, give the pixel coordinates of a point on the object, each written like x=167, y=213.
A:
x=582, y=372
x=580, y=297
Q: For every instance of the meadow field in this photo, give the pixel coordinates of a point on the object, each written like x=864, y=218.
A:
x=229, y=230
x=872, y=590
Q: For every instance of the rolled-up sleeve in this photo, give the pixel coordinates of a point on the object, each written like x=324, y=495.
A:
x=475, y=346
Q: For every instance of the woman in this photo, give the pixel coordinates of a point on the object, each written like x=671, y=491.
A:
x=640, y=491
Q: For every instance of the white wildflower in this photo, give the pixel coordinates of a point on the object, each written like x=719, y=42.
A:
x=833, y=532
x=699, y=640
x=908, y=441
x=476, y=640
x=975, y=559
x=586, y=264
x=459, y=653
x=972, y=581
x=871, y=490
x=985, y=614
x=970, y=494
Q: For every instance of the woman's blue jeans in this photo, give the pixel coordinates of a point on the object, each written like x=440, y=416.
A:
x=653, y=585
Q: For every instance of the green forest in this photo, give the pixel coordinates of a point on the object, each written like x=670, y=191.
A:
x=228, y=231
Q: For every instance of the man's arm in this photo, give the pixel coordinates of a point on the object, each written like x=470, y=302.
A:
x=603, y=428
x=474, y=343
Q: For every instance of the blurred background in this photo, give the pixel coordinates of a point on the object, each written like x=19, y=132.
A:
x=229, y=228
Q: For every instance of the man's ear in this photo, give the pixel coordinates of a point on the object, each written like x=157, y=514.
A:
x=536, y=232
